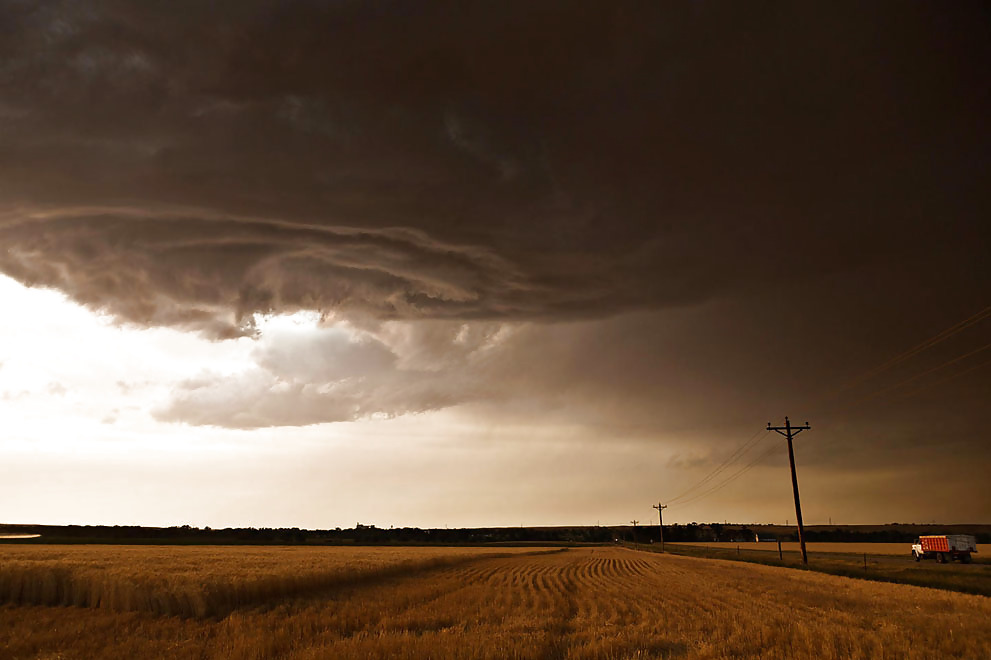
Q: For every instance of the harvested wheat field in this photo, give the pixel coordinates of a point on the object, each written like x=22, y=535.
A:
x=201, y=580
x=471, y=603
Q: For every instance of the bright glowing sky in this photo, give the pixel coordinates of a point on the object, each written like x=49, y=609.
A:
x=81, y=442
x=80, y=396
x=317, y=264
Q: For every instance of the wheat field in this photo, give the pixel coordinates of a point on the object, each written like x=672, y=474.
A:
x=201, y=580
x=476, y=603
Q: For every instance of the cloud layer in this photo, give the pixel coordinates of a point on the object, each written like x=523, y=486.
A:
x=305, y=374
x=192, y=164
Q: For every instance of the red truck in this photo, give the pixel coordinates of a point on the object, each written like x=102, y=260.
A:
x=944, y=548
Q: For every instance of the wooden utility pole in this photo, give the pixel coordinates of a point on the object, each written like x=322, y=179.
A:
x=790, y=432
x=635, y=532
x=660, y=520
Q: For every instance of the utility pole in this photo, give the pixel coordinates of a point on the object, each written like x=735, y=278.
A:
x=660, y=520
x=790, y=432
x=635, y=532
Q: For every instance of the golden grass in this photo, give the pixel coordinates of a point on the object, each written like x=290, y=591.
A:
x=198, y=580
x=579, y=604
x=972, y=578
x=904, y=549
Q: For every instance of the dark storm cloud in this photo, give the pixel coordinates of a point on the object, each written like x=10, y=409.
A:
x=211, y=272
x=188, y=164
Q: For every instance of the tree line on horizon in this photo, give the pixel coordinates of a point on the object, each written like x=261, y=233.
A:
x=370, y=534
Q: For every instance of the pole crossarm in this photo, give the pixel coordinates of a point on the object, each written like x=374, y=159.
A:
x=783, y=430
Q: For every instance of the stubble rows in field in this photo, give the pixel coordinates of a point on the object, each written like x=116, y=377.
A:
x=583, y=603
x=201, y=580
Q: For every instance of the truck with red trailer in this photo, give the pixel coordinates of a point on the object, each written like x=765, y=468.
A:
x=945, y=548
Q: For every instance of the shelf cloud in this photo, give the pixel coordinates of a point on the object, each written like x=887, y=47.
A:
x=473, y=161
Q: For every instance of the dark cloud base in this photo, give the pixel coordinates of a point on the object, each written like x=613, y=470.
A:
x=189, y=164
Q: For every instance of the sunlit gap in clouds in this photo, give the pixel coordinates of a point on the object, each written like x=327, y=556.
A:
x=312, y=323
x=302, y=319
x=87, y=413
x=106, y=381
x=296, y=369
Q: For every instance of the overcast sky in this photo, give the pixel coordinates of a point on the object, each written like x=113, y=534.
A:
x=475, y=263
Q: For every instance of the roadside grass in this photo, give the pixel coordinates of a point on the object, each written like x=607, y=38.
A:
x=972, y=578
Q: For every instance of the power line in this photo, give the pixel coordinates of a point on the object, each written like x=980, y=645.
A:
x=932, y=341
x=921, y=374
x=733, y=477
x=915, y=350
x=948, y=378
x=749, y=444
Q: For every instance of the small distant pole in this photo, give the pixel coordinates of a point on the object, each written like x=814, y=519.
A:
x=660, y=520
x=635, y=544
x=780, y=555
x=790, y=432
